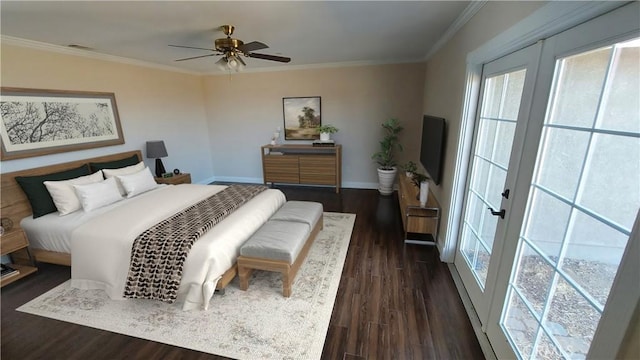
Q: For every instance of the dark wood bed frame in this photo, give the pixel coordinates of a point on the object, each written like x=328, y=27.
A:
x=15, y=205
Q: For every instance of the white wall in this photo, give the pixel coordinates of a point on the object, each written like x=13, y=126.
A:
x=245, y=109
x=153, y=105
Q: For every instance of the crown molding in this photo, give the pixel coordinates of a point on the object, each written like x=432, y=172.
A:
x=37, y=45
x=552, y=18
x=457, y=24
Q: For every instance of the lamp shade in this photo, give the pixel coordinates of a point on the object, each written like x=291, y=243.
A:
x=156, y=149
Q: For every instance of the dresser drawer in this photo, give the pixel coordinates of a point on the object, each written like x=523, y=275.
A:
x=12, y=241
x=318, y=169
x=281, y=168
x=318, y=162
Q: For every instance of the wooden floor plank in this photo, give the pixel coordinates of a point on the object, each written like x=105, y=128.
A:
x=374, y=305
x=379, y=346
x=394, y=301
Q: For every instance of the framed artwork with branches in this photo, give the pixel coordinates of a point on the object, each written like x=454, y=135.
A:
x=37, y=122
x=301, y=118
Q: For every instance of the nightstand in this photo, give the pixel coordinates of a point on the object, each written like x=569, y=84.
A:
x=175, y=179
x=12, y=241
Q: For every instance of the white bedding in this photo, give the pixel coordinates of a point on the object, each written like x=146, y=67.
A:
x=101, y=246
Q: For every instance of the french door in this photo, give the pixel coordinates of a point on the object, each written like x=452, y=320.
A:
x=506, y=93
x=582, y=203
x=541, y=277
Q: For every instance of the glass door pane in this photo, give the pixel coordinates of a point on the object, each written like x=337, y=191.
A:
x=583, y=200
x=489, y=167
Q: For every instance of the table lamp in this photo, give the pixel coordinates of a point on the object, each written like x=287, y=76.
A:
x=157, y=150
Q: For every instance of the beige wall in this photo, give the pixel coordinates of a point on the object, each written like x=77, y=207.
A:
x=245, y=109
x=213, y=126
x=445, y=80
x=153, y=105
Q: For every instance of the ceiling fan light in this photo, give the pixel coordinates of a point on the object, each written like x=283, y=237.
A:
x=233, y=63
x=223, y=65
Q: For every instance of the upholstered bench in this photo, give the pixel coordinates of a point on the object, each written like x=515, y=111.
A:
x=282, y=243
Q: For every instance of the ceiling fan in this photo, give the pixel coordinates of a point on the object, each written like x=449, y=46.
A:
x=232, y=49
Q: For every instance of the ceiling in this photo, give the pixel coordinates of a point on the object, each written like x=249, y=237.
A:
x=312, y=33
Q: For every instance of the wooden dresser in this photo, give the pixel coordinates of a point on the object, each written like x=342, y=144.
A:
x=302, y=164
x=415, y=218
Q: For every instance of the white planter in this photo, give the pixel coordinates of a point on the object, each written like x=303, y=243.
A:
x=386, y=178
x=325, y=136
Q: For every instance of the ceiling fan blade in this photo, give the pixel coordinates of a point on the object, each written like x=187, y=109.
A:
x=191, y=47
x=241, y=61
x=252, y=46
x=196, y=57
x=269, y=57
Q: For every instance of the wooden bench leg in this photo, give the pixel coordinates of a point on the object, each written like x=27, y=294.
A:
x=286, y=283
x=244, y=274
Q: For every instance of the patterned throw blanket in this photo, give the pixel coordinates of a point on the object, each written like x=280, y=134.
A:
x=159, y=253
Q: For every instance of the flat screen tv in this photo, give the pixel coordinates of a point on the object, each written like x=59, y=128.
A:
x=432, y=146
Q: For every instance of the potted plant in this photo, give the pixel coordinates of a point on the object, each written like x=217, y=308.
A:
x=410, y=168
x=418, y=178
x=326, y=131
x=386, y=156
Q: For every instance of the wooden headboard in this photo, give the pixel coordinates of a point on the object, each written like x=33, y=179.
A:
x=15, y=204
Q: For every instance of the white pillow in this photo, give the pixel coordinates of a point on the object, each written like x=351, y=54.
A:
x=63, y=194
x=137, y=183
x=93, y=196
x=109, y=173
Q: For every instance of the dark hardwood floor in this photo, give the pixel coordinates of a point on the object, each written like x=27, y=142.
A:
x=395, y=301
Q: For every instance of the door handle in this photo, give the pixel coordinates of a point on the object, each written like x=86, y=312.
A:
x=500, y=213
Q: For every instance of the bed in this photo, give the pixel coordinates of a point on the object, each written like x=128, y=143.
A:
x=97, y=244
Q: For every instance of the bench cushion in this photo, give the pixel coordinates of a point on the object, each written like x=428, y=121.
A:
x=299, y=211
x=277, y=240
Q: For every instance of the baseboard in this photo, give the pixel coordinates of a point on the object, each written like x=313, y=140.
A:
x=485, y=345
x=207, y=181
x=440, y=246
x=359, y=185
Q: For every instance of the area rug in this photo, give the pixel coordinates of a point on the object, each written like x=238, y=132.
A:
x=255, y=324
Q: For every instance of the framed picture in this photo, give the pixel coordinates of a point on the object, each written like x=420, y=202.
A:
x=301, y=118
x=38, y=122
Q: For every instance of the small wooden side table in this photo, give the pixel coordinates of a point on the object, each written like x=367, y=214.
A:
x=416, y=218
x=175, y=179
x=11, y=241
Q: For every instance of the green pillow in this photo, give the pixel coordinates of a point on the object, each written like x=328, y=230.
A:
x=116, y=164
x=38, y=195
